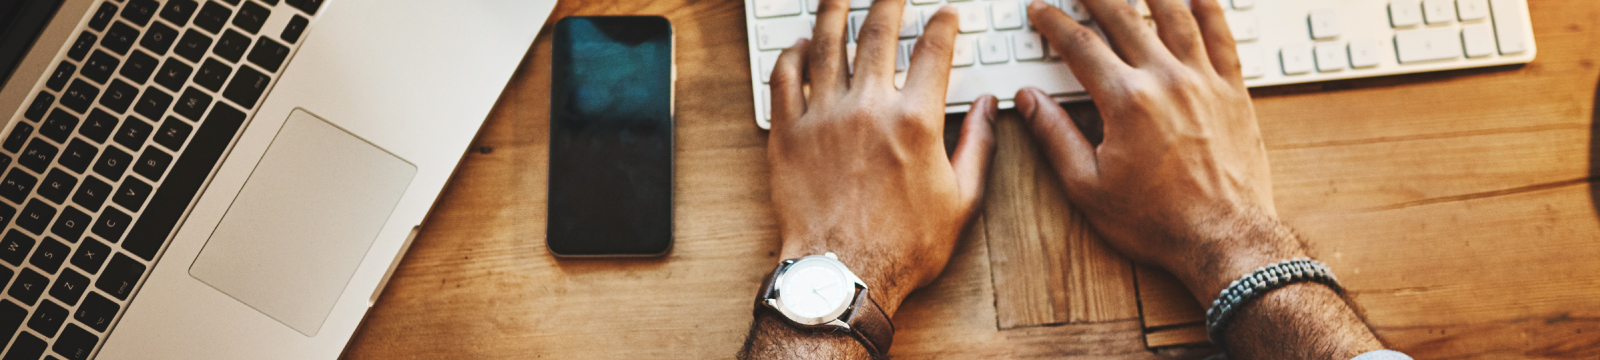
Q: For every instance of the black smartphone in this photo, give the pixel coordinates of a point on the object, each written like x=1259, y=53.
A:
x=611, y=137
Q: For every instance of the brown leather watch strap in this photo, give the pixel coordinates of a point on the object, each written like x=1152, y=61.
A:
x=871, y=325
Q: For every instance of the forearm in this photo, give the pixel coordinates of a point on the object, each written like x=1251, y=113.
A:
x=771, y=338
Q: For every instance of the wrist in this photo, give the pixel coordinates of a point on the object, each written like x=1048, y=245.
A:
x=881, y=286
x=1230, y=247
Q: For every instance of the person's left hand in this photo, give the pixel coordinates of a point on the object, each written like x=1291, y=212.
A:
x=858, y=167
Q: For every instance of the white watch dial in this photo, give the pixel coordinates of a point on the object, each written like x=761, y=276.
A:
x=815, y=289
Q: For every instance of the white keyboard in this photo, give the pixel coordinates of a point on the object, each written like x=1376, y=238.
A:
x=1280, y=41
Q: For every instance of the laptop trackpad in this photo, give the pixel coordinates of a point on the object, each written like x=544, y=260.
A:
x=294, y=235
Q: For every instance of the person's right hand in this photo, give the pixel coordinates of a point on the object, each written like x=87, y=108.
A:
x=1181, y=179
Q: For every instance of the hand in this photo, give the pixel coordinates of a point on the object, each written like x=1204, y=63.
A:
x=1181, y=180
x=858, y=167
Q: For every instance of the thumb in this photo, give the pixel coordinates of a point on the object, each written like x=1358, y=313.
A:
x=975, y=150
x=1064, y=145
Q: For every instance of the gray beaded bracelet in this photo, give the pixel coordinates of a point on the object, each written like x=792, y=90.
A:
x=1265, y=279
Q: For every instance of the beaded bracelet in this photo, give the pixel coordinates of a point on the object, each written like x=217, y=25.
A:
x=1265, y=279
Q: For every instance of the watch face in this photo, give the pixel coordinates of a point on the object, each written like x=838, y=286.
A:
x=815, y=288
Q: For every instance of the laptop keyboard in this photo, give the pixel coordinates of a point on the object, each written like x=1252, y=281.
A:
x=117, y=142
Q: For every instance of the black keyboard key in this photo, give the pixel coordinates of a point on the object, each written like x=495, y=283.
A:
x=69, y=287
x=75, y=343
x=188, y=174
x=40, y=104
x=139, y=67
x=19, y=136
x=71, y=224
x=91, y=254
x=47, y=319
x=17, y=185
x=271, y=2
x=59, y=78
x=26, y=347
x=119, y=37
x=92, y=194
x=173, y=133
x=6, y=213
x=308, y=6
x=120, y=276
x=269, y=54
x=152, y=163
x=212, y=17
x=113, y=162
x=29, y=285
x=251, y=16
x=59, y=125
x=212, y=74
x=154, y=103
x=140, y=11
x=247, y=87
x=78, y=155
x=98, y=126
x=173, y=74
x=36, y=216
x=231, y=45
x=179, y=11
x=79, y=96
x=99, y=67
x=5, y=277
x=192, y=104
x=296, y=27
x=132, y=194
x=15, y=247
x=11, y=317
x=97, y=311
x=51, y=254
x=103, y=16
x=133, y=133
x=37, y=155
x=56, y=186
x=119, y=96
x=192, y=45
x=111, y=224
x=82, y=46
x=159, y=38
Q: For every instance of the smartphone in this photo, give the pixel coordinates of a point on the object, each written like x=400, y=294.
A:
x=611, y=137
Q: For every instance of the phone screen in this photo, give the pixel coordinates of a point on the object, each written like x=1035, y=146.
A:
x=611, y=137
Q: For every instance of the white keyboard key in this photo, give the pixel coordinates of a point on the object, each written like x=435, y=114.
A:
x=811, y=5
x=1331, y=57
x=1251, y=63
x=924, y=2
x=1007, y=14
x=1470, y=10
x=927, y=14
x=964, y=51
x=769, y=60
x=902, y=56
x=856, y=19
x=1244, y=26
x=966, y=84
x=1296, y=59
x=1427, y=45
x=1479, y=39
x=1403, y=13
x=771, y=8
x=994, y=48
x=766, y=103
x=909, y=25
x=1439, y=11
x=1366, y=53
x=1324, y=24
x=1028, y=45
x=974, y=16
x=860, y=4
x=781, y=33
x=1510, y=23
x=1243, y=4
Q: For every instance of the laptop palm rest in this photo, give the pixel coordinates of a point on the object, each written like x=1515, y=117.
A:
x=302, y=223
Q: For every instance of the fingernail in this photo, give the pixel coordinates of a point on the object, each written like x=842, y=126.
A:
x=1037, y=5
x=991, y=111
x=947, y=9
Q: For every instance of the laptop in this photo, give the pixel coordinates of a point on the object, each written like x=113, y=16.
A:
x=228, y=179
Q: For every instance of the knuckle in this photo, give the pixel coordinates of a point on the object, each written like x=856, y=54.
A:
x=1080, y=36
x=938, y=47
x=873, y=29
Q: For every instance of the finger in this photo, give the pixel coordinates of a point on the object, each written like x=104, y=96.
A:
x=829, y=67
x=1074, y=159
x=929, y=75
x=1128, y=33
x=878, y=43
x=1175, y=24
x=788, y=76
x=1091, y=60
x=1218, y=37
x=975, y=151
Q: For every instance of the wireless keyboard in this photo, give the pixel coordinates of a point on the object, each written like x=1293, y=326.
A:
x=1280, y=42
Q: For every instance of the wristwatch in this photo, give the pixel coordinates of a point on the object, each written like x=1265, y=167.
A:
x=818, y=292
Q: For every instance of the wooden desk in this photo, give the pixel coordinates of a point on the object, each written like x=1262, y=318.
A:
x=1456, y=206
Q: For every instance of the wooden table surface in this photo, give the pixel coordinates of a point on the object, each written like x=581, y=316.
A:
x=1458, y=208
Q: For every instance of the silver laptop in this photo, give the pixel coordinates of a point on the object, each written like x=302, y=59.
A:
x=228, y=179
